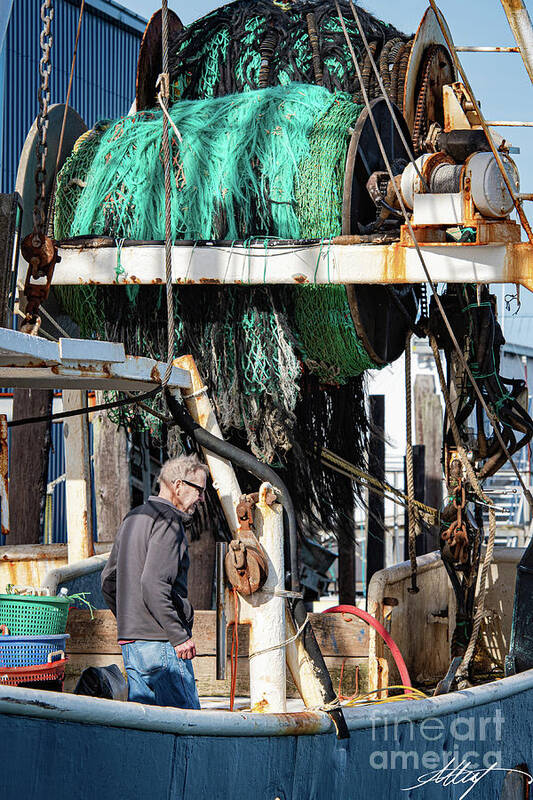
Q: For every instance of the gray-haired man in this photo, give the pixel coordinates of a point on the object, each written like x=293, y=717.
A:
x=145, y=585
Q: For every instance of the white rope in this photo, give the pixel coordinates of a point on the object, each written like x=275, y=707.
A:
x=161, y=78
x=283, y=593
x=201, y=390
x=282, y=644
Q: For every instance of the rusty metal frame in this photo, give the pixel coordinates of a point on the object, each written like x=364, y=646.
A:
x=4, y=487
x=492, y=261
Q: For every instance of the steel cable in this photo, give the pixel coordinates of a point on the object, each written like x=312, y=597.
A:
x=416, y=245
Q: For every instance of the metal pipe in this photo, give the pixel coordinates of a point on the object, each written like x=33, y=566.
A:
x=213, y=443
x=55, y=577
x=509, y=124
x=487, y=49
x=118, y=714
x=221, y=549
x=520, y=24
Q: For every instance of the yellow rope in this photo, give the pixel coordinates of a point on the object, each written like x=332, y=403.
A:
x=334, y=461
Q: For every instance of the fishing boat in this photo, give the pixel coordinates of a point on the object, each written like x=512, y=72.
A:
x=259, y=231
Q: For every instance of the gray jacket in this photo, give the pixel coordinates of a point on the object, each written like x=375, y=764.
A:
x=144, y=582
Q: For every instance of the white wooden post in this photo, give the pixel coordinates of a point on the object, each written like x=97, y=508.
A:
x=78, y=478
x=222, y=473
x=267, y=613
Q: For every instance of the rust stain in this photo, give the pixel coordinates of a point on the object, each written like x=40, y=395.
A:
x=513, y=5
x=299, y=722
x=26, y=364
x=300, y=278
x=133, y=279
x=209, y=280
x=55, y=369
x=395, y=264
x=158, y=280
x=154, y=374
x=261, y=707
x=12, y=572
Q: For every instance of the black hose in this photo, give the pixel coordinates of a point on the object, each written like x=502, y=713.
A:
x=248, y=462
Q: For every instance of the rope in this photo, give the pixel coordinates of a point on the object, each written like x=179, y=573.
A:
x=163, y=100
x=234, y=646
x=480, y=601
x=412, y=525
x=282, y=644
x=372, y=483
x=472, y=477
x=527, y=493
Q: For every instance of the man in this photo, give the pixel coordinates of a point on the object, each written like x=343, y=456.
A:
x=144, y=584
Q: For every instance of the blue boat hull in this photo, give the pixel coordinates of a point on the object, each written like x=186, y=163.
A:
x=66, y=746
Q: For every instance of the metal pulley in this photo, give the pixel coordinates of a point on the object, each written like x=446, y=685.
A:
x=246, y=564
x=41, y=254
x=246, y=567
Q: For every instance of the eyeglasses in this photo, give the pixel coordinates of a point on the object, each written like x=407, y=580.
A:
x=200, y=489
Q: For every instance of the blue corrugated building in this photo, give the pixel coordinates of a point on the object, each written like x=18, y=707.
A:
x=103, y=86
x=104, y=79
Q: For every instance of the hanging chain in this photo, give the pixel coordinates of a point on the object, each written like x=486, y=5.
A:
x=41, y=147
x=456, y=535
x=37, y=248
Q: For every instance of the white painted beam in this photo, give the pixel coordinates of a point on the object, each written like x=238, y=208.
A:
x=318, y=263
x=78, y=479
x=78, y=364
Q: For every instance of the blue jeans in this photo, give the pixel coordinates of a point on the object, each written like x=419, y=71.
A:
x=157, y=677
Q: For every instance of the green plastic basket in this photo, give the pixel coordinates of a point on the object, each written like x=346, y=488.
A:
x=26, y=615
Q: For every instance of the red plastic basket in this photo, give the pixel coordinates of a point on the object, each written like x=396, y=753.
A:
x=52, y=671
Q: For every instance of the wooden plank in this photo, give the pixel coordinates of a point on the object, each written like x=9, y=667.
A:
x=28, y=463
x=111, y=474
x=335, y=636
x=205, y=672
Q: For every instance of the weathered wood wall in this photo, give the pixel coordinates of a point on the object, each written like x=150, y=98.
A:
x=93, y=642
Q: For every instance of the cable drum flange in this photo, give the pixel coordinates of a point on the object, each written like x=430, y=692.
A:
x=379, y=321
x=489, y=192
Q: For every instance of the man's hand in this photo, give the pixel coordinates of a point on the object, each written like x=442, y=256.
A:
x=186, y=649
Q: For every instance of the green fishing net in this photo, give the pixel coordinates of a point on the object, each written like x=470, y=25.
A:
x=265, y=163
x=248, y=165
x=227, y=51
